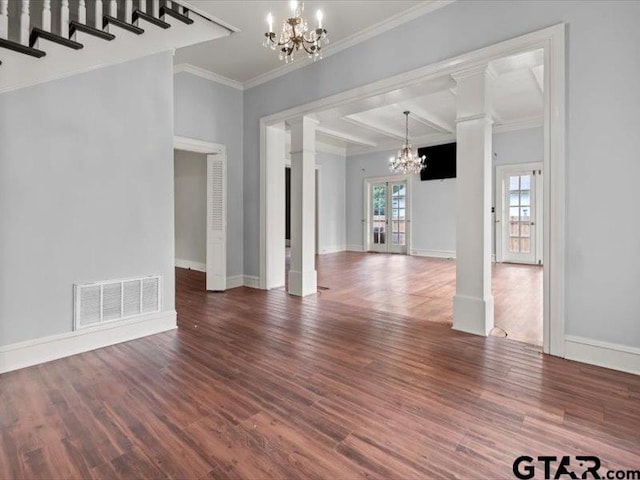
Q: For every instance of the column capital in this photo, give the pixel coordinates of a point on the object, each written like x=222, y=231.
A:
x=484, y=68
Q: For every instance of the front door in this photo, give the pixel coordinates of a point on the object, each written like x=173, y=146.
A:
x=388, y=217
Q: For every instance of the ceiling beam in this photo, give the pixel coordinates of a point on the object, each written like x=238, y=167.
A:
x=347, y=137
x=374, y=128
x=428, y=119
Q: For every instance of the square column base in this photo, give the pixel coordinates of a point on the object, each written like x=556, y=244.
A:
x=302, y=284
x=473, y=315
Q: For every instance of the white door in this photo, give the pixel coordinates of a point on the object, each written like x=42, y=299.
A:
x=521, y=189
x=216, y=223
x=388, y=217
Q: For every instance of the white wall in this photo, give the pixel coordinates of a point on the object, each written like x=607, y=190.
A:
x=212, y=112
x=433, y=222
x=86, y=190
x=191, y=207
x=332, y=208
x=603, y=67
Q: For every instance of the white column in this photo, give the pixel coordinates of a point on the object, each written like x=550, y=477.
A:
x=113, y=8
x=82, y=11
x=46, y=15
x=142, y=6
x=64, y=19
x=276, y=144
x=155, y=8
x=97, y=14
x=25, y=21
x=302, y=274
x=128, y=11
x=473, y=302
x=4, y=18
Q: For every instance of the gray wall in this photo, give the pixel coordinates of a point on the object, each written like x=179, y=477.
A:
x=86, y=190
x=212, y=112
x=433, y=203
x=191, y=206
x=331, y=211
x=602, y=125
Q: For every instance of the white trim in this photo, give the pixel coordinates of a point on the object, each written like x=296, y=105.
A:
x=332, y=249
x=552, y=40
x=196, y=146
x=41, y=350
x=522, y=124
x=394, y=21
x=191, y=265
x=235, y=281
x=420, y=252
x=355, y=248
x=604, y=354
x=208, y=75
x=251, y=281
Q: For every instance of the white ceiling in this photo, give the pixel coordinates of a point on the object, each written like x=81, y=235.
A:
x=378, y=123
x=241, y=56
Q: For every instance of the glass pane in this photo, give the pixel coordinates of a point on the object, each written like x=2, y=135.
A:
x=379, y=233
x=514, y=245
x=525, y=214
x=514, y=214
x=525, y=245
x=525, y=197
x=514, y=183
x=379, y=200
x=514, y=230
x=401, y=214
x=525, y=182
x=514, y=198
x=401, y=239
x=525, y=229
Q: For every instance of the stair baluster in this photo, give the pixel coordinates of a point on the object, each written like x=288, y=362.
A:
x=168, y=3
x=97, y=15
x=46, y=15
x=64, y=19
x=113, y=8
x=4, y=18
x=155, y=8
x=82, y=12
x=128, y=11
x=142, y=6
x=25, y=22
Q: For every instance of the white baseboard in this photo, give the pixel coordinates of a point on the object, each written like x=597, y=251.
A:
x=603, y=354
x=235, y=281
x=418, y=252
x=355, y=248
x=332, y=249
x=251, y=281
x=41, y=350
x=199, y=267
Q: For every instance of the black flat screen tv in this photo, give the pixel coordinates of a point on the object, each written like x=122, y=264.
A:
x=440, y=161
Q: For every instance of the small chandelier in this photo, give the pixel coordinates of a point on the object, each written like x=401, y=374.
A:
x=295, y=35
x=407, y=160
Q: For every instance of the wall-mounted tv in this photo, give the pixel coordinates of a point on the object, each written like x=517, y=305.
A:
x=440, y=161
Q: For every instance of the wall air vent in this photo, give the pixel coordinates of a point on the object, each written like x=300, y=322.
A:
x=109, y=301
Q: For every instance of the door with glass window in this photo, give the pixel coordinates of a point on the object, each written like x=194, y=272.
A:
x=519, y=217
x=388, y=217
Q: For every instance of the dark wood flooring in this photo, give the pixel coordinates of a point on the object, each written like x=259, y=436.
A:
x=261, y=385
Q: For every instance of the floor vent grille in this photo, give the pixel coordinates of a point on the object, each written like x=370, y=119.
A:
x=114, y=300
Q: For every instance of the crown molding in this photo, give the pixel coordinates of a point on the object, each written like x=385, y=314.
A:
x=394, y=21
x=208, y=75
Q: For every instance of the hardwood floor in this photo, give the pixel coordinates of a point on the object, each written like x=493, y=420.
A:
x=260, y=385
x=423, y=288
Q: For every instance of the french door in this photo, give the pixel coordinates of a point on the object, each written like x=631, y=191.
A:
x=388, y=217
x=521, y=229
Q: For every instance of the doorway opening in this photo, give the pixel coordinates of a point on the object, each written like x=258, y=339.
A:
x=387, y=215
x=200, y=219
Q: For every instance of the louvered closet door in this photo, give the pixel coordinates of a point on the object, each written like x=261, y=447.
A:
x=216, y=223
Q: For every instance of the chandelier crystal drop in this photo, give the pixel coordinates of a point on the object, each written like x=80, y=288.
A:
x=407, y=160
x=296, y=37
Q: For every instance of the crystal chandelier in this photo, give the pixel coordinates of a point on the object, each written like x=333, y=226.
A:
x=295, y=35
x=407, y=160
